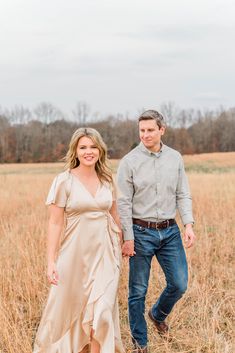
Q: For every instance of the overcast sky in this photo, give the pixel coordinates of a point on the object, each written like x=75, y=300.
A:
x=118, y=56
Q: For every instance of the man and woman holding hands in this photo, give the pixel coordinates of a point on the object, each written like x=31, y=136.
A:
x=81, y=313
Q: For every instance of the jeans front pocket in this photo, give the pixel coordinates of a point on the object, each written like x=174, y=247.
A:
x=138, y=228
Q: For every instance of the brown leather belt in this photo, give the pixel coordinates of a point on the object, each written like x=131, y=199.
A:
x=156, y=225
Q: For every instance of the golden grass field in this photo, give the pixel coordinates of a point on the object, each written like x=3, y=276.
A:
x=202, y=322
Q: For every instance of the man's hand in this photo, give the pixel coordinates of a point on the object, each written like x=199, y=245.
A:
x=189, y=236
x=128, y=248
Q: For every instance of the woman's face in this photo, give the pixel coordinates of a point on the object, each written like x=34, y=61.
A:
x=87, y=152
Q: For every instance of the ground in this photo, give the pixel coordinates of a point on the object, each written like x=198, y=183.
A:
x=202, y=322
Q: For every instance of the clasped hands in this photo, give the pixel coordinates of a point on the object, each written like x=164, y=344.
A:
x=128, y=248
x=189, y=237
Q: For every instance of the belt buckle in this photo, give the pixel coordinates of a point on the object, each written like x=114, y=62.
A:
x=167, y=222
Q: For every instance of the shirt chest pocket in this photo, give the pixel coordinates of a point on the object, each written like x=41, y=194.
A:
x=143, y=182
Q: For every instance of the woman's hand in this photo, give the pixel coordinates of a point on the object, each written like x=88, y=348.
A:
x=52, y=274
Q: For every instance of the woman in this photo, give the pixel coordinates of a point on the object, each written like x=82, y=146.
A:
x=82, y=309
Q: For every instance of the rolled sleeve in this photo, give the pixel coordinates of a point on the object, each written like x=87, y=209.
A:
x=124, y=199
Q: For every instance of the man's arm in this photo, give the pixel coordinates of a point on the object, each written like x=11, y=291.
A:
x=184, y=205
x=124, y=202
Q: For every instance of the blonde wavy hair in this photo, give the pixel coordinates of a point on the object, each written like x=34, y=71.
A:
x=104, y=173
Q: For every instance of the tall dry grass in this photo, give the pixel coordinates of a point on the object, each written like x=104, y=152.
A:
x=202, y=322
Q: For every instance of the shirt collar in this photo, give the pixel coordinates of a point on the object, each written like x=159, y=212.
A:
x=148, y=152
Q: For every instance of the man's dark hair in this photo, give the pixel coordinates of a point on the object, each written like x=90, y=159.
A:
x=153, y=115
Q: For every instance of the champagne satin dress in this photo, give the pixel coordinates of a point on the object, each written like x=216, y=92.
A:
x=88, y=265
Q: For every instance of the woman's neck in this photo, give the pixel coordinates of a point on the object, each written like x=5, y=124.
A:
x=86, y=171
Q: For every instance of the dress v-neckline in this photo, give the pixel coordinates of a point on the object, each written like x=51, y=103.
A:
x=85, y=188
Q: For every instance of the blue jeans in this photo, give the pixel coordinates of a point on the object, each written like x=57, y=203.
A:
x=166, y=245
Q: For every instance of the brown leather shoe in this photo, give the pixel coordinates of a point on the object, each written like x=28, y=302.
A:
x=162, y=327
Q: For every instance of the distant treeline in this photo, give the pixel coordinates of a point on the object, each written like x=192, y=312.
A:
x=27, y=138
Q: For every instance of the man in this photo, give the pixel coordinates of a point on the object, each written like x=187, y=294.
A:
x=152, y=184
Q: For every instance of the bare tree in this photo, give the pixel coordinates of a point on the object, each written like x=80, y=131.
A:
x=18, y=115
x=170, y=112
x=81, y=112
x=47, y=113
x=36, y=141
x=4, y=126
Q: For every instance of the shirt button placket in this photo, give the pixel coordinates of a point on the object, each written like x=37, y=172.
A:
x=156, y=165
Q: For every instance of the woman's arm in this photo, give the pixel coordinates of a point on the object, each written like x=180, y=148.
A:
x=55, y=226
x=114, y=213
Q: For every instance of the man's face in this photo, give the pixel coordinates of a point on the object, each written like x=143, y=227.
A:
x=150, y=134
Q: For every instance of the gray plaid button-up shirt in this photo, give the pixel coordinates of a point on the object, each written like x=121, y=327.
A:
x=151, y=187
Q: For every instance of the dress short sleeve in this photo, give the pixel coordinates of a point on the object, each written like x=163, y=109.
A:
x=57, y=193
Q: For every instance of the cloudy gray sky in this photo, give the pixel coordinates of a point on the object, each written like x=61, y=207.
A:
x=118, y=56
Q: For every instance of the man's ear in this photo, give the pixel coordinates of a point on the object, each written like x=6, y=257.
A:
x=162, y=130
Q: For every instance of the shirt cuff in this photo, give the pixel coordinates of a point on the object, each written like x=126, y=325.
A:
x=128, y=234
x=187, y=219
